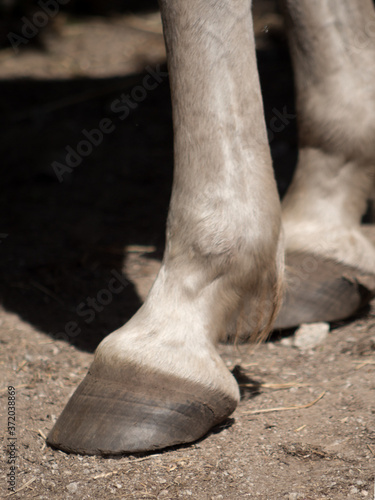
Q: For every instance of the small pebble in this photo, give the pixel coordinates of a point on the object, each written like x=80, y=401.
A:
x=310, y=335
x=293, y=496
x=72, y=487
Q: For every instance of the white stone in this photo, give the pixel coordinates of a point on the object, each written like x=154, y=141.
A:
x=287, y=342
x=72, y=487
x=293, y=496
x=310, y=335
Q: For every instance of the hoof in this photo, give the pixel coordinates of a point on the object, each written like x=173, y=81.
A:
x=319, y=289
x=147, y=411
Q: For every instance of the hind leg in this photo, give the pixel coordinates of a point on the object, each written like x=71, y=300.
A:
x=333, y=56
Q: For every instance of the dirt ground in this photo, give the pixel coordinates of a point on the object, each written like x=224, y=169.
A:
x=62, y=242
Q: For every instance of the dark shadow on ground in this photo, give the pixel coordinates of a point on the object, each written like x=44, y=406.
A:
x=249, y=388
x=63, y=242
x=22, y=17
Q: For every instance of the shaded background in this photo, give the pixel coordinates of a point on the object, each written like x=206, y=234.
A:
x=61, y=241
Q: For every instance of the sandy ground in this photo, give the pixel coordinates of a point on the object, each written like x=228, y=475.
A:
x=62, y=242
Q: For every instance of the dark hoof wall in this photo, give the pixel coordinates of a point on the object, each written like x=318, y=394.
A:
x=142, y=413
x=319, y=289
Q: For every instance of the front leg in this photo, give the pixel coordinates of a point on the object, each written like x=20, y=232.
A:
x=159, y=381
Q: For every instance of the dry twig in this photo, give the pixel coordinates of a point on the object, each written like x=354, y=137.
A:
x=364, y=363
x=16, y=387
x=276, y=387
x=41, y=433
x=22, y=488
x=285, y=408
